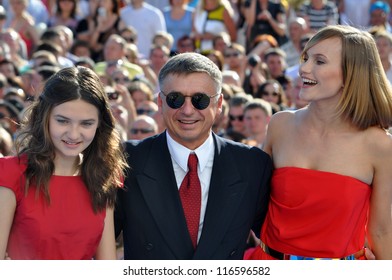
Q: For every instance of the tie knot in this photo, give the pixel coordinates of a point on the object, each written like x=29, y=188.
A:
x=192, y=162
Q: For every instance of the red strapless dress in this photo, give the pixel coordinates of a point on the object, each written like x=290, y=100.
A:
x=314, y=214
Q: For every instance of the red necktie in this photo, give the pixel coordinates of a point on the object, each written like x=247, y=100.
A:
x=190, y=194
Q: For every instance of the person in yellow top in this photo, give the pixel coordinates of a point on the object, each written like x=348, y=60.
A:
x=213, y=17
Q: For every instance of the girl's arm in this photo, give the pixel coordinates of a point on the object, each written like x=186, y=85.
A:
x=7, y=211
x=107, y=247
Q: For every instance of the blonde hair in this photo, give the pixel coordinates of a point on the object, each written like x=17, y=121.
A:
x=367, y=94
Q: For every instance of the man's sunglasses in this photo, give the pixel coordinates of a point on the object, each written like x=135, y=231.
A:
x=200, y=101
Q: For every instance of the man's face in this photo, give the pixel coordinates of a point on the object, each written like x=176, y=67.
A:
x=187, y=125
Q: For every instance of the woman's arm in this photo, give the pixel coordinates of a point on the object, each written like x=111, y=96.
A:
x=230, y=25
x=107, y=247
x=7, y=211
x=250, y=13
x=380, y=214
x=278, y=25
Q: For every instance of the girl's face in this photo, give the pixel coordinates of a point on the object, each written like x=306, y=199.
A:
x=72, y=128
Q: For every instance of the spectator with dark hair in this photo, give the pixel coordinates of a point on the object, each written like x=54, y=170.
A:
x=81, y=48
x=57, y=36
x=221, y=41
x=11, y=72
x=257, y=114
x=275, y=59
x=272, y=91
x=66, y=13
x=185, y=44
x=236, y=112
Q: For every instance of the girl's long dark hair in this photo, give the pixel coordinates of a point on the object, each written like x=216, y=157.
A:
x=103, y=164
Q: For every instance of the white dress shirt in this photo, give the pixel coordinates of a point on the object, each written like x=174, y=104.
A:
x=205, y=155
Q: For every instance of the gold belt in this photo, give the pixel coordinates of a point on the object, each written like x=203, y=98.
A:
x=282, y=256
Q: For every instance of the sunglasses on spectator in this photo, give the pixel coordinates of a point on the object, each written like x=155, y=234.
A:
x=235, y=54
x=122, y=80
x=129, y=39
x=233, y=118
x=200, y=101
x=141, y=130
x=270, y=94
x=2, y=116
x=145, y=112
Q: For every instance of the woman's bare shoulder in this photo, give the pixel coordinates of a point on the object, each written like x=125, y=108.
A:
x=284, y=117
x=379, y=143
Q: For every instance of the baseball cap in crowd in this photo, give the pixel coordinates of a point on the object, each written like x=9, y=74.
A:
x=380, y=5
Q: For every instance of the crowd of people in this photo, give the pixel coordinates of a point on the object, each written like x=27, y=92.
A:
x=113, y=97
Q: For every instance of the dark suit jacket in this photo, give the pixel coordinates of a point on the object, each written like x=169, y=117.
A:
x=150, y=214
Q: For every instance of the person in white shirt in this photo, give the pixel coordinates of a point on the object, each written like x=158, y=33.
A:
x=146, y=19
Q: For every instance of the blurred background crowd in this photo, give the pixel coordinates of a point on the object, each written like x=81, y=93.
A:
x=256, y=44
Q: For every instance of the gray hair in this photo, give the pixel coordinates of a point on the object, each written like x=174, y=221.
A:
x=188, y=63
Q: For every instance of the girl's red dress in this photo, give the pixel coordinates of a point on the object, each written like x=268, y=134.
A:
x=67, y=228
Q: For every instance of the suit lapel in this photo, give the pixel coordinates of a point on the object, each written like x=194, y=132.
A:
x=159, y=188
x=224, y=198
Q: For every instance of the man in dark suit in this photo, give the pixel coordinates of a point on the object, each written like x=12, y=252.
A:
x=232, y=179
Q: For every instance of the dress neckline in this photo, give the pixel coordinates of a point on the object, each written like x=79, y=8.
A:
x=303, y=169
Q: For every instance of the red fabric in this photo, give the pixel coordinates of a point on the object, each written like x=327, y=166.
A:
x=190, y=194
x=67, y=228
x=315, y=214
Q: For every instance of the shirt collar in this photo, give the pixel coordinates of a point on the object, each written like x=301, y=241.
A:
x=180, y=153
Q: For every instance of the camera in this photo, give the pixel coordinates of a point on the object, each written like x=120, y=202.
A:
x=113, y=95
x=254, y=60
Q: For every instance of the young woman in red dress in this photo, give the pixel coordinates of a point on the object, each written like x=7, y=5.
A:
x=57, y=194
x=331, y=189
